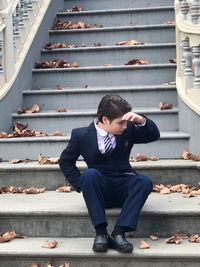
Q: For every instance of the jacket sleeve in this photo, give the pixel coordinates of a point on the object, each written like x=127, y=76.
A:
x=144, y=134
x=68, y=159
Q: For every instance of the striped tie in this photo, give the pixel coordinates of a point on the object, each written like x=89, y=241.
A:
x=108, y=145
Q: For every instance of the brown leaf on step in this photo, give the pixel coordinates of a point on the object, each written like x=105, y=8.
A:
x=74, y=9
x=195, y=157
x=58, y=87
x=164, y=191
x=131, y=42
x=27, y=160
x=49, y=265
x=137, y=62
x=50, y=46
x=83, y=45
x=194, y=238
x=9, y=236
x=61, y=110
x=3, y=135
x=56, y=63
x=72, y=46
x=139, y=157
x=96, y=44
x=172, y=60
x=144, y=245
x=107, y=65
x=34, y=190
x=186, y=155
x=13, y=161
x=153, y=237
x=174, y=239
x=170, y=83
x=189, y=195
x=181, y=234
x=176, y=188
x=11, y=190
x=75, y=65
x=58, y=133
x=170, y=22
x=61, y=25
x=158, y=187
x=163, y=106
x=47, y=160
x=34, y=264
x=154, y=158
x=52, y=244
x=34, y=109
x=132, y=23
x=87, y=86
x=64, y=189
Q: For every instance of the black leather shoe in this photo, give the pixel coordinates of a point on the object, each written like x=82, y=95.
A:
x=120, y=243
x=100, y=243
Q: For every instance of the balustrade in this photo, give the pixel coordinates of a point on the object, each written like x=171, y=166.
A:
x=17, y=17
x=188, y=51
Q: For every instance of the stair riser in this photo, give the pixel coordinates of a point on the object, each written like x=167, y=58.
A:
x=104, y=77
x=52, y=179
x=169, y=148
x=164, y=121
x=90, y=100
x=81, y=226
x=115, y=56
x=150, y=35
x=97, y=262
x=116, y=4
x=121, y=19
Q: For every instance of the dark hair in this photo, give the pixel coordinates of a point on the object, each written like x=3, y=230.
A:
x=112, y=106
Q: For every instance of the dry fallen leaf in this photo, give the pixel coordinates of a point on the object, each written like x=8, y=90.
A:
x=75, y=64
x=170, y=22
x=186, y=155
x=107, y=65
x=177, y=237
x=47, y=160
x=154, y=158
x=52, y=244
x=34, y=109
x=34, y=264
x=172, y=60
x=11, y=190
x=3, y=135
x=58, y=133
x=137, y=62
x=34, y=190
x=9, y=236
x=87, y=86
x=83, y=45
x=139, y=157
x=58, y=87
x=61, y=25
x=49, y=265
x=194, y=238
x=144, y=245
x=170, y=83
x=74, y=9
x=96, y=44
x=64, y=189
x=55, y=63
x=61, y=110
x=13, y=161
x=131, y=42
x=163, y=106
x=153, y=237
x=50, y=46
x=165, y=190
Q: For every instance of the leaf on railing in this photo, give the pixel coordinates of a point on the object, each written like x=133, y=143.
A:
x=56, y=63
x=34, y=109
x=61, y=25
x=74, y=9
x=131, y=42
x=137, y=62
x=163, y=106
x=172, y=60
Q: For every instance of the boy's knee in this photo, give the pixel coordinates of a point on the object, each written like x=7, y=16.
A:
x=89, y=176
x=146, y=181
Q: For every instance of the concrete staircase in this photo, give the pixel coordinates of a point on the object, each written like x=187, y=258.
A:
x=63, y=217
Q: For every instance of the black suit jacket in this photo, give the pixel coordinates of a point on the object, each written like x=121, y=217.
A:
x=84, y=142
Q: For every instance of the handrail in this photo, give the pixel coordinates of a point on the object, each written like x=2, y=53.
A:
x=19, y=22
x=187, y=13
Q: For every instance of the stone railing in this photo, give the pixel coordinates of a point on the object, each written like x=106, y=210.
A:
x=19, y=22
x=188, y=52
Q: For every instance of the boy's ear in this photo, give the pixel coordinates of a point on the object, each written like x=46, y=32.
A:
x=105, y=120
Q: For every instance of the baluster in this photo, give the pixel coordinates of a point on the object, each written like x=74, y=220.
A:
x=196, y=64
x=188, y=58
x=25, y=15
x=195, y=7
x=30, y=7
x=21, y=12
x=1, y=57
x=183, y=45
x=184, y=8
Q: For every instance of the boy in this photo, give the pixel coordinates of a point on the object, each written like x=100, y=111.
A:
x=109, y=180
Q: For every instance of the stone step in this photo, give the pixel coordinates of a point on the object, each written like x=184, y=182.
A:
x=115, y=55
x=140, y=96
x=170, y=145
x=78, y=253
x=121, y=17
x=51, y=121
x=165, y=171
x=160, y=33
x=115, y=4
x=65, y=215
x=104, y=76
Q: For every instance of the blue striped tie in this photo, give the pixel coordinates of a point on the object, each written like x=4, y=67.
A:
x=108, y=145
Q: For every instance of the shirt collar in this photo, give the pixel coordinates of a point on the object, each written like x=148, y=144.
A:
x=99, y=130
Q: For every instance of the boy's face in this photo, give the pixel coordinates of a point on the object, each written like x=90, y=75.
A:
x=116, y=127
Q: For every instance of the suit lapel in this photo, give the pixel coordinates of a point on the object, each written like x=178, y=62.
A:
x=93, y=137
